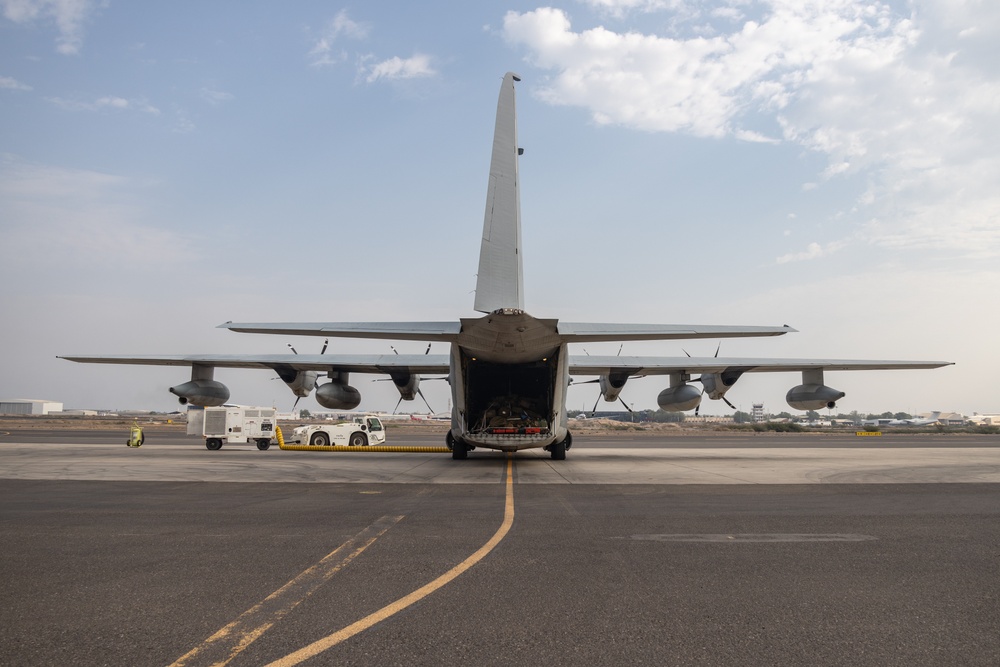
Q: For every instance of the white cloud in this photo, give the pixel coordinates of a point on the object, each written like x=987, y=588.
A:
x=812, y=251
x=418, y=65
x=71, y=218
x=68, y=15
x=10, y=83
x=908, y=101
x=215, y=97
x=323, y=52
x=111, y=102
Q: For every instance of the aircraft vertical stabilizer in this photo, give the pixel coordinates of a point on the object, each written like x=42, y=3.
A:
x=501, y=283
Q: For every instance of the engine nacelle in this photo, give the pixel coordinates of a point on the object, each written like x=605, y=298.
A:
x=336, y=396
x=680, y=398
x=813, y=397
x=612, y=385
x=407, y=384
x=717, y=384
x=206, y=393
x=303, y=383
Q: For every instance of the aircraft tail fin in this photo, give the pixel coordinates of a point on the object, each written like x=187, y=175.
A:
x=500, y=283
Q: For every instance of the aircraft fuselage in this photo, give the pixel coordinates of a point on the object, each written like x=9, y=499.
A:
x=509, y=374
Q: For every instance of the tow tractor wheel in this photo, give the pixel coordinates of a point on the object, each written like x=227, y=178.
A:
x=319, y=439
x=213, y=444
x=263, y=444
x=558, y=450
x=358, y=440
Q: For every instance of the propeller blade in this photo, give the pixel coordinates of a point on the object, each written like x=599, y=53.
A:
x=625, y=404
x=620, y=350
x=296, y=403
x=728, y=403
x=394, y=351
x=428, y=350
x=594, y=410
x=716, y=355
x=686, y=352
x=325, y=343
x=397, y=405
x=292, y=349
x=420, y=392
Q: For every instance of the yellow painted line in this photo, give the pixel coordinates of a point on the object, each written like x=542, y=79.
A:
x=227, y=643
x=402, y=603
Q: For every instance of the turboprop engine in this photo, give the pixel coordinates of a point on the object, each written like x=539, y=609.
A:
x=202, y=389
x=680, y=396
x=408, y=385
x=717, y=384
x=337, y=394
x=812, y=394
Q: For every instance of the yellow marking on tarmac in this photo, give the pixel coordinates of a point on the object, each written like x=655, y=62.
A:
x=868, y=433
x=402, y=603
x=227, y=643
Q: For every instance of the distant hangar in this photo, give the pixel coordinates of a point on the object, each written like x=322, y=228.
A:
x=26, y=406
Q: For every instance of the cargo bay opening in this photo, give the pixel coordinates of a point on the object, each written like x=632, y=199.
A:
x=506, y=399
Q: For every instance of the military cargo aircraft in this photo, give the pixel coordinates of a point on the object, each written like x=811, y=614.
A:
x=509, y=371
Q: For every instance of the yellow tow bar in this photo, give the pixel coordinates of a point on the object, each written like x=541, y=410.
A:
x=344, y=448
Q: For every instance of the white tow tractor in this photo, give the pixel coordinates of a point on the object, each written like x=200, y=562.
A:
x=359, y=432
x=240, y=424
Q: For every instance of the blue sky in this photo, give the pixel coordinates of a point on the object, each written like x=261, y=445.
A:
x=166, y=167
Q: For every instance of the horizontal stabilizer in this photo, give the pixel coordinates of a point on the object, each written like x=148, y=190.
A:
x=422, y=331
x=586, y=332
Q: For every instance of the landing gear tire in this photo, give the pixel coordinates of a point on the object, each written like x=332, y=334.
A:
x=459, y=451
x=450, y=441
x=558, y=450
x=263, y=444
x=319, y=439
x=358, y=440
x=213, y=444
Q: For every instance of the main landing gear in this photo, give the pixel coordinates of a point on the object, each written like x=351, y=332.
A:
x=558, y=449
x=459, y=450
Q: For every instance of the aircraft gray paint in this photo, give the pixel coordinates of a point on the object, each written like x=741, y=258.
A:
x=509, y=371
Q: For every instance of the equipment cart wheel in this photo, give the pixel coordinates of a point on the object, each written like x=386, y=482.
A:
x=263, y=444
x=213, y=444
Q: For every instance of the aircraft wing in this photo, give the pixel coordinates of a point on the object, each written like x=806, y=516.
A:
x=445, y=332
x=350, y=363
x=605, y=365
x=587, y=332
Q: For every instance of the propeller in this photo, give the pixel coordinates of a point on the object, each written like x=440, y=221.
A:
x=593, y=410
x=716, y=355
x=294, y=351
x=420, y=392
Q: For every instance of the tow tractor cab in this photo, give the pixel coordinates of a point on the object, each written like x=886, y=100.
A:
x=233, y=423
x=361, y=431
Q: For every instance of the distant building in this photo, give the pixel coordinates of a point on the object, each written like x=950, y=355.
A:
x=985, y=420
x=952, y=419
x=24, y=406
x=757, y=416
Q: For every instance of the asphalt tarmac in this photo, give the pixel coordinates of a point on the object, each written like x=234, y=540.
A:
x=630, y=552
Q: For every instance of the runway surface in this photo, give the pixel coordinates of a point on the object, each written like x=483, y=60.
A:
x=630, y=552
